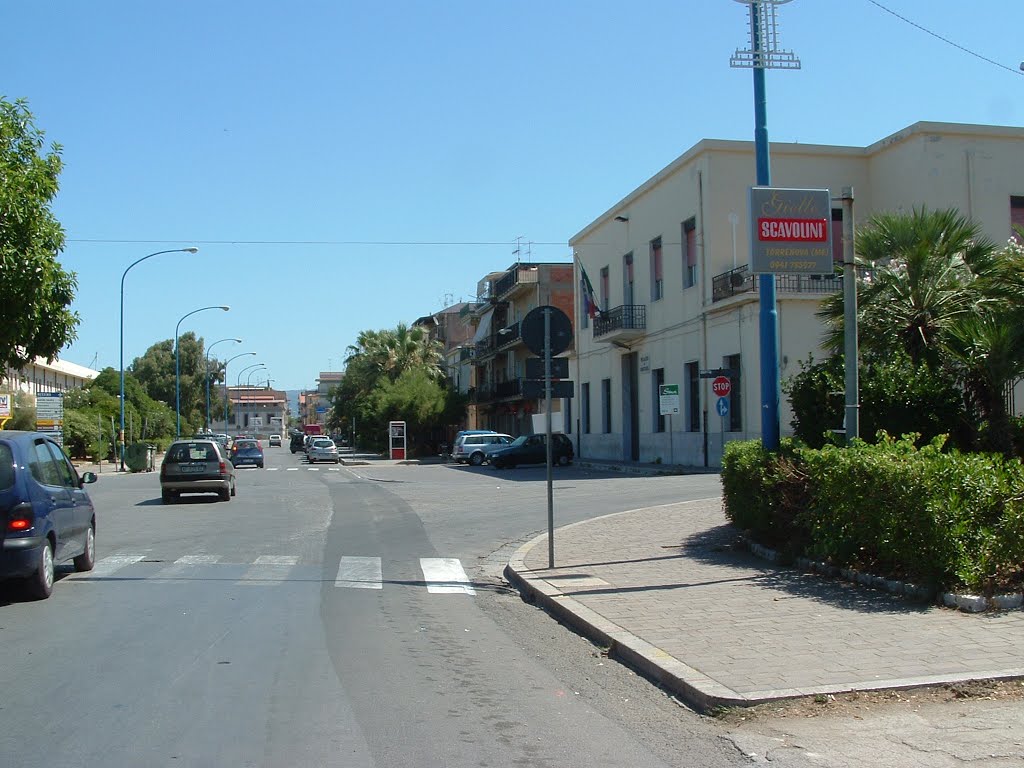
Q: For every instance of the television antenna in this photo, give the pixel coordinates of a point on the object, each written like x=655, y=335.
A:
x=763, y=27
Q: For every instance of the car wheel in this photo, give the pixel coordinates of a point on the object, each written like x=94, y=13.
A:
x=261, y=465
x=564, y=460
x=234, y=489
x=225, y=495
x=476, y=459
x=166, y=496
x=40, y=584
x=86, y=560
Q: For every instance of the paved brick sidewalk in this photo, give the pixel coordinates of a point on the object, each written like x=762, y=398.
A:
x=666, y=587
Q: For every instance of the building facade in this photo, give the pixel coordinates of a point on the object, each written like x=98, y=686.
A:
x=43, y=376
x=259, y=411
x=668, y=267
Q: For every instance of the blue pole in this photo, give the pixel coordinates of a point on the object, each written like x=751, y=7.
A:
x=177, y=387
x=769, y=314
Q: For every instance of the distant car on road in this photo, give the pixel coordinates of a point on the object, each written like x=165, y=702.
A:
x=47, y=516
x=323, y=449
x=196, y=466
x=247, y=451
x=295, y=444
x=275, y=441
x=532, y=449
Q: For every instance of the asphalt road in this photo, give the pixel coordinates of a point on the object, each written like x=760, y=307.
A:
x=331, y=616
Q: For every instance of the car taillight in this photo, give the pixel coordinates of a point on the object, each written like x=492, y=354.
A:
x=20, y=518
x=223, y=468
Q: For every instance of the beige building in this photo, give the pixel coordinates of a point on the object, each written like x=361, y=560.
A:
x=668, y=264
x=259, y=411
x=43, y=376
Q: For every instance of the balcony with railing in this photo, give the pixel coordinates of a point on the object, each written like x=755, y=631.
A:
x=467, y=353
x=741, y=280
x=624, y=323
x=507, y=337
x=511, y=282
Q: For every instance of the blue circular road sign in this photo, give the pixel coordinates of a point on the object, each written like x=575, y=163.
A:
x=722, y=406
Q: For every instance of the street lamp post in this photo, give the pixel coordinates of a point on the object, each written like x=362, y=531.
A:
x=123, y=276
x=177, y=365
x=248, y=384
x=238, y=381
x=209, y=418
x=243, y=354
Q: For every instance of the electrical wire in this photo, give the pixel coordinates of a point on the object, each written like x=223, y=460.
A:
x=945, y=39
x=309, y=242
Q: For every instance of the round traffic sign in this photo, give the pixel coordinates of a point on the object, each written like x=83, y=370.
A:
x=721, y=386
x=531, y=329
x=722, y=407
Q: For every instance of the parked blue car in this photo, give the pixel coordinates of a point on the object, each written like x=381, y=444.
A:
x=47, y=516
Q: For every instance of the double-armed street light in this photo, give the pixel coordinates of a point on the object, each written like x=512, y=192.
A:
x=177, y=364
x=209, y=417
x=123, y=276
x=242, y=354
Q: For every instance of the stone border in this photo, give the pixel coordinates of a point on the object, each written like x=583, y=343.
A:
x=965, y=602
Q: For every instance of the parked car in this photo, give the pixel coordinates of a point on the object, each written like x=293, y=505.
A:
x=196, y=466
x=275, y=441
x=296, y=442
x=532, y=449
x=472, y=448
x=247, y=451
x=47, y=516
x=323, y=449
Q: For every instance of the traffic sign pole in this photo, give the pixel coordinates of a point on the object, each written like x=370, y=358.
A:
x=547, y=436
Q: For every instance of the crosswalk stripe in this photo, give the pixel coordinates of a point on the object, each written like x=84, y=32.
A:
x=109, y=565
x=313, y=469
x=272, y=469
x=445, y=575
x=197, y=560
x=268, y=571
x=360, y=573
x=334, y=469
x=292, y=469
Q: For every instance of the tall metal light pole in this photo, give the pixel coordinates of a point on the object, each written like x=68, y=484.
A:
x=764, y=55
x=177, y=365
x=125, y=274
x=242, y=354
x=238, y=381
x=209, y=418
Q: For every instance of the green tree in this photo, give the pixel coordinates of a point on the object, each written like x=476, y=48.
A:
x=35, y=315
x=155, y=372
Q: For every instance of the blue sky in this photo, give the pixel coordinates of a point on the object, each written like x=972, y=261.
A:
x=345, y=166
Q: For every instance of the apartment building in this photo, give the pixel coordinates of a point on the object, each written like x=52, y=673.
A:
x=257, y=410
x=497, y=353
x=668, y=266
x=43, y=376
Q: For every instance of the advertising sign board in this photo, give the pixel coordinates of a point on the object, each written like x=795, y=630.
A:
x=668, y=399
x=790, y=231
x=5, y=405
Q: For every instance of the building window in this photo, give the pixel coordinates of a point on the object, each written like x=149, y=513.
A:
x=604, y=289
x=657, y=379
x=1016, y=217
x=627, y=279
x=606, y=405
x=567, y=415
x=689, y=241
x=585, y=408
x=735, y=400
x=693, y=397
x=657, y=281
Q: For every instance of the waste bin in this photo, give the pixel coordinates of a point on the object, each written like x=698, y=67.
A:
x=150, y=456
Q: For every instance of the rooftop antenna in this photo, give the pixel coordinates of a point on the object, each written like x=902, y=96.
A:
x=519, y=247
x=764, y=54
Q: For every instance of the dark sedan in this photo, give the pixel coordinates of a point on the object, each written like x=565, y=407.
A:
x=46, y=514
x=247, y=452
x=532, y=449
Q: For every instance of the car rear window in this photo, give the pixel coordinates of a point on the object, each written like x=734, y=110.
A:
x=322, y=443
x=6, y=467
x=246, y=443
x=192, y=452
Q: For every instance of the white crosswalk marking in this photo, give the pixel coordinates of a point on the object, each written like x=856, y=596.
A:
x=197, y=560
x=292, y=469
x=272, y=469
x=268, y=570
x=313, y=469
x=109, y=565
x=359, y=573
x=334, y=469
x=445, y=575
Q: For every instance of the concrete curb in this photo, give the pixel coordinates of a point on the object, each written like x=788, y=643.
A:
x=692, y=686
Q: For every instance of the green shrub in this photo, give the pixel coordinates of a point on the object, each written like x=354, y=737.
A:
x=936, y=517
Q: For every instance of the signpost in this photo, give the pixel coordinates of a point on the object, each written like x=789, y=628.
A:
x=547, y=331
x=668, y=405
x=5, y=406
x=50, y=415
x=721, y=386
x=790, y=231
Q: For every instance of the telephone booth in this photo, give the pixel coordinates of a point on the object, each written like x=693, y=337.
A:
x=396, y=439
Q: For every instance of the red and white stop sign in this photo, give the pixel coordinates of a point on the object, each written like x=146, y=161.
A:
x=721, y=386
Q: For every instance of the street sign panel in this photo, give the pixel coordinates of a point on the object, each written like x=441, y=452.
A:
x=532, y=330
x=714, y=373
x=533, y=389
x=721, y=386
x=722, y=407
x=559, y=368
x=790, y=231
x=668, y=399
x=5, y=405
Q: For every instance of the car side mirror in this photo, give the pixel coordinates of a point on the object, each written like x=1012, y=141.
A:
x=87, y=478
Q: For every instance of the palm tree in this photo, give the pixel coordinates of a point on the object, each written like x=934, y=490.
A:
x=919, y=274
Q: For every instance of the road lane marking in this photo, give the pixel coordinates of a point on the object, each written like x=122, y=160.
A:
x=292, y=469
x=360, y=573
x=109, y=565
x=313, y=469
x=197, y=560
x=445, y=575
x=272, y=469
x=334, y=469
x=268, y=571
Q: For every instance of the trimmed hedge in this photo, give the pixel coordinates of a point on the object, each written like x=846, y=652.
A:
x=947, y=520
